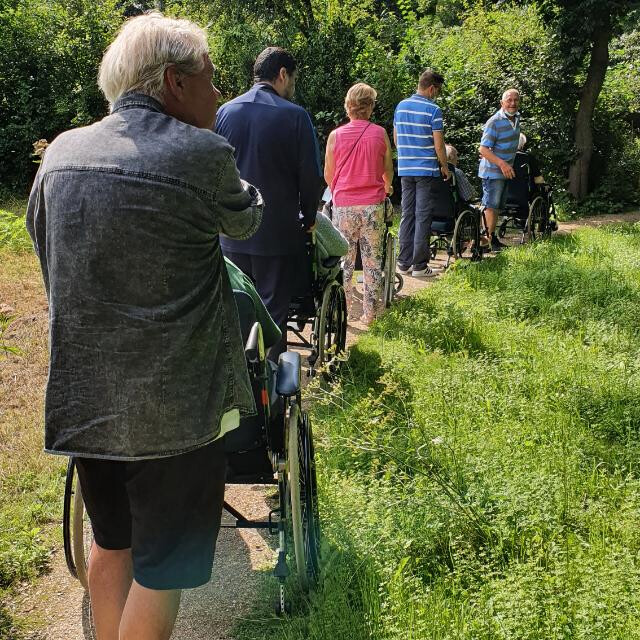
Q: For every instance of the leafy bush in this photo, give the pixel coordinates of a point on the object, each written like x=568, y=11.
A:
x=49, y=53
x=13, y=233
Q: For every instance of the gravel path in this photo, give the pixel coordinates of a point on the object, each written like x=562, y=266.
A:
x=244, y=558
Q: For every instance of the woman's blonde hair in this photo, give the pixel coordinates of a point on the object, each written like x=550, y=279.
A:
x=359, y=99
x=145, y=46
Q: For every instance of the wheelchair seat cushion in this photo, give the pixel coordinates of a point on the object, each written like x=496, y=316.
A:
x=445, y=225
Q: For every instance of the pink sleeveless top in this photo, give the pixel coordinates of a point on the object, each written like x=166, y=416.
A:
x=357, y=178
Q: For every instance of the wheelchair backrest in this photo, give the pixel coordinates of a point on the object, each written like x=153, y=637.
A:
x=446, y=197
x=519, y=187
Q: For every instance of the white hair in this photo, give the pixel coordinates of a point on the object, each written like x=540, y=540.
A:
x=452, y=153
x=508, y=91
x=145, y=46
x=522, y=141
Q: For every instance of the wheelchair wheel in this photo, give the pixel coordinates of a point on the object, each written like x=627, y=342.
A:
x=533, y=227
x=502, y=231
x=332, y=323
x=466, y=236
x=398, y=284
x=76, y=527
x=311, y=515
x=302, y=494
x=389, y=274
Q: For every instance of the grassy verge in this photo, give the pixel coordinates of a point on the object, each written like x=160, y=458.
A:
x=479, y=457
x=30, y=481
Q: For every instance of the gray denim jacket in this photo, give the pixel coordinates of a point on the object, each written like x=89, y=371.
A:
x=145, y=347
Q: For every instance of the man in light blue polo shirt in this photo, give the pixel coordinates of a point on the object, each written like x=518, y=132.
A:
x=498, y=149
x=422, y=167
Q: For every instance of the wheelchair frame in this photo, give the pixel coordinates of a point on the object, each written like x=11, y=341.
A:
x=538, y=222
x=291, y=454
x=324, y=310
x=466, y=231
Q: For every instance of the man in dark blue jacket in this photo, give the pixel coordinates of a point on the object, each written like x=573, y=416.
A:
x=276, y=150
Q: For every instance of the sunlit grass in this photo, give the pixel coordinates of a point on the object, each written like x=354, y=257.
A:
x=479, y=457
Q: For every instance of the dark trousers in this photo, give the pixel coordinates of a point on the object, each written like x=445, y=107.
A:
x=419, y=199
x=275, y=280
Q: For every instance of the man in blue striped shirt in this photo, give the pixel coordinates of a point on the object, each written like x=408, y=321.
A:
x=422, y=167
x=498, y=149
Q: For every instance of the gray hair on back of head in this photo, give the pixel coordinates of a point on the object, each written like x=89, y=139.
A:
x=522, y=141
x=452, y=153
x=143, y=49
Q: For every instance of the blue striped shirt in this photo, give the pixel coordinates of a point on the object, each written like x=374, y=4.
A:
x=501, y=136
x=415, y=120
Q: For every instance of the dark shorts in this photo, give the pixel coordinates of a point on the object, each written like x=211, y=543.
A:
x=167, y=510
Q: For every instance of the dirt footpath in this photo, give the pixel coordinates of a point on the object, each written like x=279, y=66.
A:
x=244, y=558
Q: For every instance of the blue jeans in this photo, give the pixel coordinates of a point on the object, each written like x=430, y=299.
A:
x=494, y=193
x=419, y=199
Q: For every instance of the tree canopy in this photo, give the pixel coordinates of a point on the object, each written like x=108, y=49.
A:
x=579, y=78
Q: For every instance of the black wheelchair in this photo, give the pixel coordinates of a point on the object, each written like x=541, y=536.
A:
x=529, y=207
x=456, y=226
x=319, y=303
x=392, y=281
x=274, y=447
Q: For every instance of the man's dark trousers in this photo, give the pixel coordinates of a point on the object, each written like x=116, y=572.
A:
x=275, y=278
x=419, y=199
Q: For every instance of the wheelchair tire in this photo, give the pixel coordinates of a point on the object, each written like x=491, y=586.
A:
x=311, y=515
x=388, y=274
x=331, y=331
x=466, y=235
x=295, y=495
x=502, y=231
x=536, y=216
x=398, y=284
x=76, y=528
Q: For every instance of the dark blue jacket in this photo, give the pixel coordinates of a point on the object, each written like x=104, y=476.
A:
x=276, y=150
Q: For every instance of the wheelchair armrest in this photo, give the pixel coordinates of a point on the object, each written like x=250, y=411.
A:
x=254, y=348
x=288, y=376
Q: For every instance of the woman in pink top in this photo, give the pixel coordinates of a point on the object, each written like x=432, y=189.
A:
x=359, y=169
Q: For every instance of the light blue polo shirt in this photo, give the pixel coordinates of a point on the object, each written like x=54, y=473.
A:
x=501, y=136
x=415, y=120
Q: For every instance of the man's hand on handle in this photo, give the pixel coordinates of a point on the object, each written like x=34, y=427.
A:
x=507, y=170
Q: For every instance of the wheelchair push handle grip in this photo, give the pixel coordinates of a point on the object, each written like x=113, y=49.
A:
x=253, y=349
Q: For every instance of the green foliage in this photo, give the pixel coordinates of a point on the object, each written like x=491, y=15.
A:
x=49, y=53
x=478, y=457
x=13, y=233
x=49, y=56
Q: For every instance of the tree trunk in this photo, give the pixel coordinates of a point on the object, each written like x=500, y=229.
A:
x=579, y=170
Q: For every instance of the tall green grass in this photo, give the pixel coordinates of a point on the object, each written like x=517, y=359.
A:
x=479, y=458
x=13, y=233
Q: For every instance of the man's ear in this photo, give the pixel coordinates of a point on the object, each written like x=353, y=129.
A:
x=173, y=82
x=283, y=74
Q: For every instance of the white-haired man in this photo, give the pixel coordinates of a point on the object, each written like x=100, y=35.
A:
x=147, y=369
x=497, y=149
